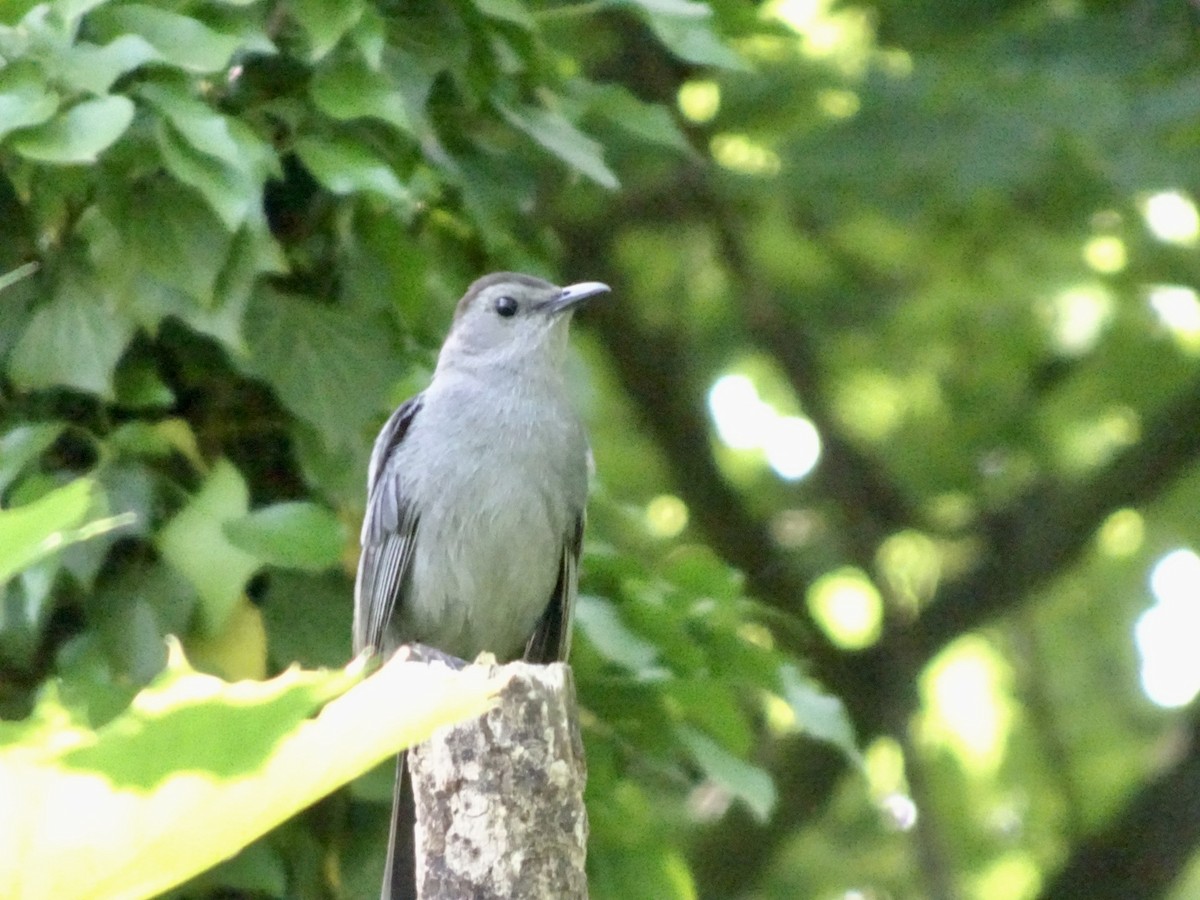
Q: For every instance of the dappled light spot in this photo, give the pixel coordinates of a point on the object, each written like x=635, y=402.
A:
x=1015, y=874
x=699, y=101
x=1166, y=632
x=738, y=153
x=741, y=417
x=793, y=528
x=871, y=404
x=883, y=764
x=1085, y=445
x=848, y=608
x=1076, y=317
x=899, y=811
x=838, y=103
x=967, y=705
x=790, y=444
x=843, y=34
x=1106, y=254
x=1172, y=217
x=666, y=516
x=1178, y=311
x=912, y=566
x=793, y=447
x=1122, y=534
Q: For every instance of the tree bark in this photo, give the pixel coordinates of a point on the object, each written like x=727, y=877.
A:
x=499, y=800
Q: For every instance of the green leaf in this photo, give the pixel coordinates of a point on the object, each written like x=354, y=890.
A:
x=819, y=714
x=329, y=367
x=345, y=88
x=308, y=618
x=25, y=98
x=205, y=129
x=600, y=622
x=326, y=21
x=92, y=69
x=194, y=542
x=556, y=134
x=21, y=446
x=507, y=10
x=346, y=166
x=649, y=121
x=173, y=238
x=186, y=42
x=295, y=535
x=694, y=41
x=31, y=532
x=227, y=191
x=78, y=135
x=196, y=768
x=73, y=341
x=748, y=783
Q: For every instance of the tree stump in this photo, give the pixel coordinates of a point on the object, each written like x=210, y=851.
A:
x=499, y=800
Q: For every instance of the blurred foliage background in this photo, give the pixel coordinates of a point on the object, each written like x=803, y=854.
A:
x=891, y=585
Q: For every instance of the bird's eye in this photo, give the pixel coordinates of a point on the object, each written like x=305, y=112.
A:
x=506, y=306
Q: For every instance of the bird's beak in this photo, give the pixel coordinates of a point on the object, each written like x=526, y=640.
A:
x=574, y=294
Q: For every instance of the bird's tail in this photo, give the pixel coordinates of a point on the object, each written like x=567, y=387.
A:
x=400, y=871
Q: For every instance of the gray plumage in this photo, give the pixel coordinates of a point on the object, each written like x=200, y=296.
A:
x=476, y=492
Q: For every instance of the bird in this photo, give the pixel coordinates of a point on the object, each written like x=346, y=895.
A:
x=476, y=494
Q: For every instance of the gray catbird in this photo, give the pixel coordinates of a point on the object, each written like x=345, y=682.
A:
x=475, y=503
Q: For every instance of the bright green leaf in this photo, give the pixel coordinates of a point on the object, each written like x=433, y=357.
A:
x=186, y=42
x=556, y=134
x=93, y=69
x=748, y=783
x=78, y=135
x=291, y=535
x=33, y=531
x=194, y=542
x=73, y=341
x=345, y=166
x=25, y=98
x=196, y=768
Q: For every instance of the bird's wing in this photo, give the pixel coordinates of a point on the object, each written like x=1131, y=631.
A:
x=551, y=640
x=388, y=537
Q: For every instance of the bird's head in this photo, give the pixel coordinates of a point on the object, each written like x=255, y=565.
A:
x=512, y=319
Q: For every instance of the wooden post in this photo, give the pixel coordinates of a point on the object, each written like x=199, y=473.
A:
x=499, y=800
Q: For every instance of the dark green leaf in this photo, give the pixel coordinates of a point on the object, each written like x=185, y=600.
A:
x=329, y=367
x=326, y=21
x=346, y=88
x=73, y=341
